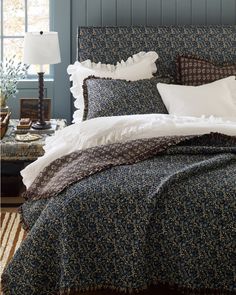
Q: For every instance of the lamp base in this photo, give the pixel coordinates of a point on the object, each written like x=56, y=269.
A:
x=41, y=125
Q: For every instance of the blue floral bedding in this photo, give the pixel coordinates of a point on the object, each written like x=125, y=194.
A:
x=165, y=215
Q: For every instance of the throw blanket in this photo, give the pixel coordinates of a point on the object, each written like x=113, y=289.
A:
x=162, y=212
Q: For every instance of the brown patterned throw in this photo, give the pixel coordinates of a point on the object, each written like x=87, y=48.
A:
x=193, y=71
x=80, y=164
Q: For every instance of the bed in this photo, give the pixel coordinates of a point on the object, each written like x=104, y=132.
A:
x=126, y=202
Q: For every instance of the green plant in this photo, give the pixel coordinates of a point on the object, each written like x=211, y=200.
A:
x=10, y=74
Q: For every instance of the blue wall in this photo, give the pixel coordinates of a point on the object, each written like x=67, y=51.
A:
x=69, y=14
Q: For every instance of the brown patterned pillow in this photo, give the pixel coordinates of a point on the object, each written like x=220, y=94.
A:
x=194, y=71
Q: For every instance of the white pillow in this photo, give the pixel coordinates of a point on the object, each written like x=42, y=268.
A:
x=213, y=99
x=231, y=82
x=139, y=66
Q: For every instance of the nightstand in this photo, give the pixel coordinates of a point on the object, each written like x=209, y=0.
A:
x=15, y=155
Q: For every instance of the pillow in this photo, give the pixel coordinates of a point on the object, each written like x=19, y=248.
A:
x=139, y=66
x=104, y=97
x=194, y=71
x=217, y=98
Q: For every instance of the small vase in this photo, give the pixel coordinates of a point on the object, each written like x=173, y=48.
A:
x=5, y=117
x=3, y=107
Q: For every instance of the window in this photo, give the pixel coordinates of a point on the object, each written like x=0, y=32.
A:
x=18, y=17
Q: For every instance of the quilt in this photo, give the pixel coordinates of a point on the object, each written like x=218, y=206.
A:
x=127, y=215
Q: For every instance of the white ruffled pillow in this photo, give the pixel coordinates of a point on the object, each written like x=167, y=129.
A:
x=214, y=99
x=139, y=66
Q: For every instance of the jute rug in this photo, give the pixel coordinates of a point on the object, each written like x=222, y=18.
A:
x=12, y=235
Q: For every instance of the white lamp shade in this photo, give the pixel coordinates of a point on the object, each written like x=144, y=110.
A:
x=42, y=48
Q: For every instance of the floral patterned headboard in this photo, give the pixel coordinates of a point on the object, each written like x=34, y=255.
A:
x=112, y=44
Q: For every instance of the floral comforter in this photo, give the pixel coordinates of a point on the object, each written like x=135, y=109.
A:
x=124, y=216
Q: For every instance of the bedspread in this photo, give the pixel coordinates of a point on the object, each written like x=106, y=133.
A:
x=162, y=212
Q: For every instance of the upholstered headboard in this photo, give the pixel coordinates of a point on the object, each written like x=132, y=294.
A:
x=112, y=44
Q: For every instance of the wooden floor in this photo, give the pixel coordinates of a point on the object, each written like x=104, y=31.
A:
x=9, y=209
x=11, y=201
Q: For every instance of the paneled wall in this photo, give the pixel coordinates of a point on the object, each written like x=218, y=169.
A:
x=69, y=14
x=149, y=12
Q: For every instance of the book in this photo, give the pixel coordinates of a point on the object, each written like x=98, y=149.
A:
x=25, y=121
x=38, y=131
x=24, y=124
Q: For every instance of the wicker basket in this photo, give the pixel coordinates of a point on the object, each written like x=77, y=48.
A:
x=5, y=117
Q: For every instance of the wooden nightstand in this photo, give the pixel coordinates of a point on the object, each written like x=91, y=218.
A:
x=15, y=155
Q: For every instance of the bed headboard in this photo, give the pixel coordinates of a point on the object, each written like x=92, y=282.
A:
x=112, y=44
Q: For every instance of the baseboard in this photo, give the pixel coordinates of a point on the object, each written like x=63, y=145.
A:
x=11, y=201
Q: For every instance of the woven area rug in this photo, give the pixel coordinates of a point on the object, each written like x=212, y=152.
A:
x=12, y=235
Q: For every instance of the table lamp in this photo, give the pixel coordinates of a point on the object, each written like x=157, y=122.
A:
x=41, y=48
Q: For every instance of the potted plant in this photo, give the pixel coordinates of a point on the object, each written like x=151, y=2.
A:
x=10, y=74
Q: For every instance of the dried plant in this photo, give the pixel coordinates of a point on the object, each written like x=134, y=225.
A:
x=10, y=74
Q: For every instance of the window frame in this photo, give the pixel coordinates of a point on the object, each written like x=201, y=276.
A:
x=2, y=36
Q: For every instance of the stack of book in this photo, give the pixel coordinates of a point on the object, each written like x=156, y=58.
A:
x=24, y=128
x=24, y=123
